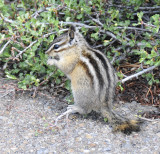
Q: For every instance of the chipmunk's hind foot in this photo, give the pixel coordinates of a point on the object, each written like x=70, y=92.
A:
x=70, y=110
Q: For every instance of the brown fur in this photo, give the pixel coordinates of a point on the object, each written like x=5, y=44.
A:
x=93, y=79
x=128, y=127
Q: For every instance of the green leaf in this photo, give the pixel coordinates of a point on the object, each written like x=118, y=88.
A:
x=106, y=42
x=150, y=82
x=67, y=85
x=10, y=76
x=95, y=35
x=79, y=16
x=140, y=15
x=68, y=19
x=105, y=119
x=58, y=81
x=157, y=63
x=157, y=81
x=156, y=18
x=1, y=4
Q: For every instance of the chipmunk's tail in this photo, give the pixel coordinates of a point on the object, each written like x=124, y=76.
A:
x=125, y=125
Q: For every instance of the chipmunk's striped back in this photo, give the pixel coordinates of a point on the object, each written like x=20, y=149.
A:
x=93, y=78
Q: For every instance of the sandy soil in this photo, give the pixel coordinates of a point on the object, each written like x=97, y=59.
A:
x=27, y=126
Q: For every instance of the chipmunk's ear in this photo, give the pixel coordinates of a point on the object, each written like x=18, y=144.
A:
x=71, y=32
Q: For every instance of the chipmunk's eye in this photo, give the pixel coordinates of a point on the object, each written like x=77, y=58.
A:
x=56, y=46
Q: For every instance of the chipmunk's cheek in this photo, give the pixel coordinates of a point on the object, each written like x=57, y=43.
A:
x=50, y=61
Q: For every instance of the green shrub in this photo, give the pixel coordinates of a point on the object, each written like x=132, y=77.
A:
x=119, y=29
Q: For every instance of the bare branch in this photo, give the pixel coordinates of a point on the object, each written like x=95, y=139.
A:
x=44, y=36
x=93, y=27
x=150, y=120
x=137, y=74
x=78, y=24
x=149, y=8
x=134, y=28
x=98, y=46
x=149, y=25
x=57, y=8
x=6, y=19
x=34, y=15
x=21, y=52
x=1, y=51
x=140, y=8
x=148, y=12
x=95, y=20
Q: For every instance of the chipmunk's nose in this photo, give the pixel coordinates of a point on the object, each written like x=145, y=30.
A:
x=50, y=57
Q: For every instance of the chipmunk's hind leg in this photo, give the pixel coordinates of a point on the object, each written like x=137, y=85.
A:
x=70, y=110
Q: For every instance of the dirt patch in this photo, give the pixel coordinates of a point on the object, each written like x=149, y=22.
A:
x=27, y=126
x=138, y=88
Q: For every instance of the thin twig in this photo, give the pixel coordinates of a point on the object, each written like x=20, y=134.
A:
x=34, y=15
x=150, y=120
x=93, y=27
x=98, y=46
x=149, y=90
x=95, y=20
x=134, y=28
x=149, y=8
x=140, y=8
x=44, y=36
x=110, y=34
x=21, y=52
x=1, y=51
x=78, y=24
x=90, y=27
x=139, y=73
x=7, y=20
x=148, y=25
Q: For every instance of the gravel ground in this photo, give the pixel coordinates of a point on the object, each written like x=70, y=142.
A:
x=27, y=126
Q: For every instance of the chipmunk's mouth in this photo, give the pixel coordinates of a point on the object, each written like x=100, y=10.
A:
x=56, y=57
x=53, y=57
x=50, y=61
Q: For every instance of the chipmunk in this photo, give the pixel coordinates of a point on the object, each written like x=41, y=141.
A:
x=93, y=79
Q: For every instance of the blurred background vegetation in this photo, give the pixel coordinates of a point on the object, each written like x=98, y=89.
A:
x=127, y=31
